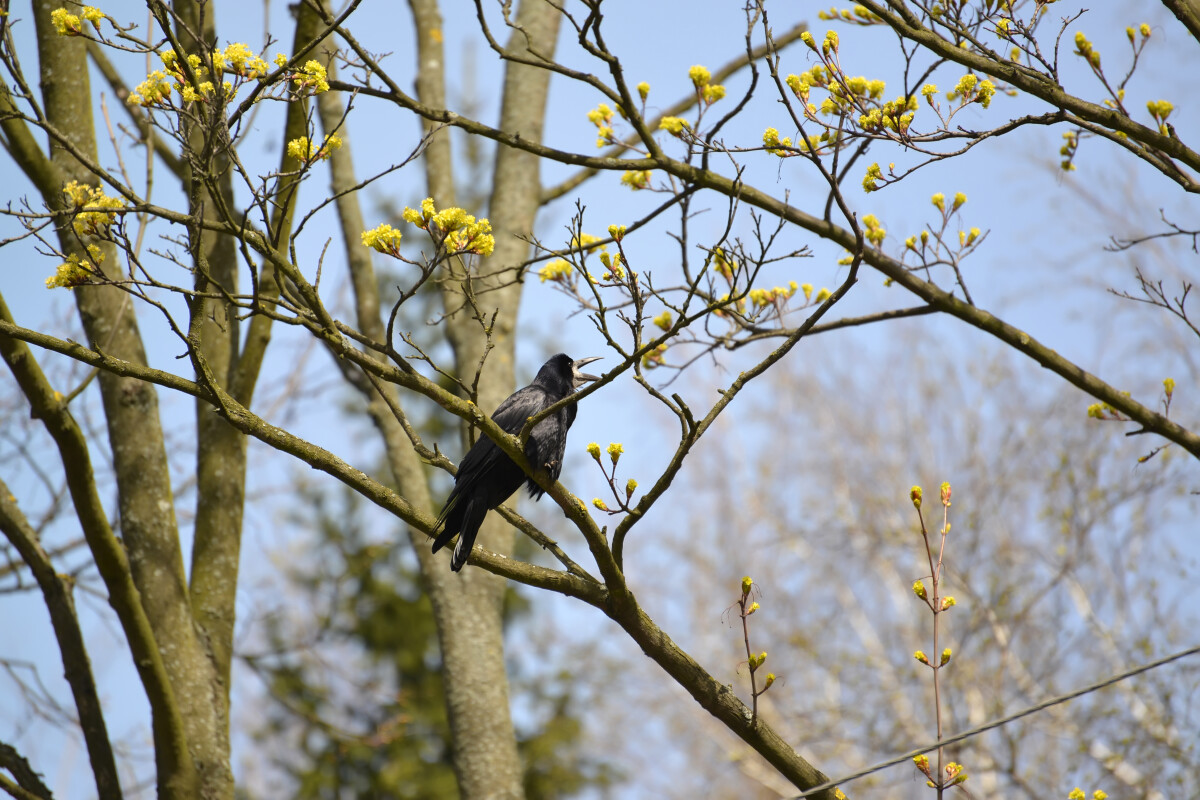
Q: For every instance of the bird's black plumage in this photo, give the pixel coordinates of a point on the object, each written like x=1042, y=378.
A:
x=487, y=477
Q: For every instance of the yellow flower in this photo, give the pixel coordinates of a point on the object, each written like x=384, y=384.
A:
x=630, y=487
x=948, y=602
x=700, y=76
x=636, y=179
x=301, y=149
x=713, y=92
x=100, y=209
x=875, y=232
x=919, y=589
x=76, y=271
x=914, y=494
x=674, y=125
x=823, y=295
x=617, y=232
x=614, y=451
x=312, y=78
x=807, y=288
x=1169, y=386
x=1159, y=109
x=774, y=144
x=65, y=23
x=655, y=357
x=557, y=270
x=598, y=503
x=987, y=90
x=280, y=59
x=600, y=115
x=939, y=201
x=242, y=60
x=663, y=320
x=594, y=450
x=464, y=234
x=384, y=238
x=959, y=199
x=155, y=90
x=643, y=89
x=920, y=656
x=946, y=654
x=94, y=15
x=830, y=43
x=723, y=263
x=203, y=91
x=874, y=173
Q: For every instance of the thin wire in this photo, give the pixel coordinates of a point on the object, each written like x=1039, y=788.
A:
x=967, y=734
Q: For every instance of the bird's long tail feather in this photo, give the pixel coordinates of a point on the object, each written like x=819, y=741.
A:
x=472, y=518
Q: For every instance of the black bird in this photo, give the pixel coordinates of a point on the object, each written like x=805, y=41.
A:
x=487, y=477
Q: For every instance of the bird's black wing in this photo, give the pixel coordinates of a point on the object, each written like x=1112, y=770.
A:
x=485, y=469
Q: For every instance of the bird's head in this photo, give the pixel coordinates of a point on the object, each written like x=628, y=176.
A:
x=578, y=378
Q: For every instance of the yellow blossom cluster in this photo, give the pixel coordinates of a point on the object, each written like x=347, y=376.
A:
x=655, y=357
x=664, y=320
x=970, y=89
x=708, y=92
x=874, y=174
x=237, y=58
x=616, y=271
x=775, y=145
x=1160, y=110
x=674, y=125
x=636, y=179
x=241, y=60
x=557, y=270
x=777, y=296
x=601, y=116
x=588, y=242
x=911, y=242
x=76, y=271
x=312, y=78
x=848, y=94
x=95, y=210
x=858, y=15
x=384, y=238
x=724, y=263
x=1085, y=49
x=155, y=90
x=302, y=149
x=1078, y=794
x=875, y=232
x=643, y=90
x=454, y=227
x=68, y=24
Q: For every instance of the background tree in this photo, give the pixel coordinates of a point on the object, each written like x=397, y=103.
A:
x=243, y=265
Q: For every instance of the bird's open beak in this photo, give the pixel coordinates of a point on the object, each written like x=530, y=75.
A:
x=582, y=377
